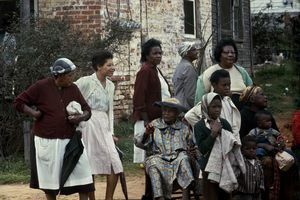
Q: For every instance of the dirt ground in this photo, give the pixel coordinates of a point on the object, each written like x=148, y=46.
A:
x=135, y=186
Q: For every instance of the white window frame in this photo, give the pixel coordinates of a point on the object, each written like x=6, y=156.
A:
x=195, y=24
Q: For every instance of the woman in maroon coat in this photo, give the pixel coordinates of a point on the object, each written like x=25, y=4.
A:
x=150, y=86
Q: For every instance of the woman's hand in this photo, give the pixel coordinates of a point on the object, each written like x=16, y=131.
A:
x=37, y=114
x=149, y=129
x=270, y=148
x=75, y=119
x=215, y=128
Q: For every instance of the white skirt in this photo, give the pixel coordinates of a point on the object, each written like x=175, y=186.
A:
x=49, y=160
x=100, y=146
x=138, y=153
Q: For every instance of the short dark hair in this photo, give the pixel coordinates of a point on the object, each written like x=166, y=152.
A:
x=100, y=58
x=147, y=46
x=218, y=74
x=260, y=113
x=247, y=139
x=219, y=48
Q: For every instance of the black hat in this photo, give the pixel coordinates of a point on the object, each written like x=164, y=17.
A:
x=171, y=103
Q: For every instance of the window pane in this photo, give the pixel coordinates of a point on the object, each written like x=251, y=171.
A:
x=225, y=10
x=238, y=19
x=189, y=21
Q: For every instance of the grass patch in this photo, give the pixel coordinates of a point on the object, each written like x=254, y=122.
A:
x=124, y=131
x=14, y=170
x=281, y=85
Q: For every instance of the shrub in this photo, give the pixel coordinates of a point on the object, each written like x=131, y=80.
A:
x=36, y=49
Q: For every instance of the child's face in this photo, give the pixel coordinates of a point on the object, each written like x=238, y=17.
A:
x=222, y=87
x=214, y=109
x=264, y=122
x=249, y=150
x=169, y=115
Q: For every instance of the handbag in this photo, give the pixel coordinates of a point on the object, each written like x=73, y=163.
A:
x=285, y=160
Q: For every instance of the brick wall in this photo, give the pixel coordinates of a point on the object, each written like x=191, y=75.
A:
x=160, y=19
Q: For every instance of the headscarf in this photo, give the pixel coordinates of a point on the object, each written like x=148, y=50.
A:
x=185, y=47
x=206, y=100
x=62, y=66
x=249, y=92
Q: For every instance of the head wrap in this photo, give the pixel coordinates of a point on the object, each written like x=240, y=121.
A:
x=62, y=66
x=206, y=100
x=185, y=47
x=249, y=92
x=171, y=103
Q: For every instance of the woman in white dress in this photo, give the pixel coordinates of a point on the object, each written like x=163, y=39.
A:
x=97, y=132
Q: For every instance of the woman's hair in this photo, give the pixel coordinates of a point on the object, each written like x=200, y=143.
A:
x=100, y=58
x=218, y=74
x=219, y=49
x=147, y=46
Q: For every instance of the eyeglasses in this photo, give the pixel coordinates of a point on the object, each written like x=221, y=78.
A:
x=229, y=52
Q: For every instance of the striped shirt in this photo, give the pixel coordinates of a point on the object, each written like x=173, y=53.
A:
x=253, y=180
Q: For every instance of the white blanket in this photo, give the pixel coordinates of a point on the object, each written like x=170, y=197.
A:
x=225, y=162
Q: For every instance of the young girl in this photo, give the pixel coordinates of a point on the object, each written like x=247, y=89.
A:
x=222, y=160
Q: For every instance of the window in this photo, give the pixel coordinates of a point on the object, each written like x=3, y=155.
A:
x=225, y=18
x=231, y=19
x=238, y=29
x=189, y=18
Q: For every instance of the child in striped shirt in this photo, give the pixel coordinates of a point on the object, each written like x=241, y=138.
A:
x=251, y=183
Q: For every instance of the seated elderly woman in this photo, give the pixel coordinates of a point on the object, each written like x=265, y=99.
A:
x=166, y=141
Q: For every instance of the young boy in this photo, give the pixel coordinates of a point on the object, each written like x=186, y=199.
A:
x=220, y=81
x=268, y=140
x=251, y=183
x=166, y=141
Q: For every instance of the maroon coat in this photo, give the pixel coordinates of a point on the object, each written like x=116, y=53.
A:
x=147, y=90
x=52, y=102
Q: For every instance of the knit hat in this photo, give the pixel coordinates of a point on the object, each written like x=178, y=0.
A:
x=62, y=66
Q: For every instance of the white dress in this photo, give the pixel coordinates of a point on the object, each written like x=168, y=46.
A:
x=97, y=132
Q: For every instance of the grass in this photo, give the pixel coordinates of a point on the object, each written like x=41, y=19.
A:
x=14, y=170
x=281, y=85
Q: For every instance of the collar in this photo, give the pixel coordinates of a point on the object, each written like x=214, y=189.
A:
x=145, y=64
x=162, y=125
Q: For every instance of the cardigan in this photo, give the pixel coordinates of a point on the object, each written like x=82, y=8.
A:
x=88, y=85
x=52, y=103
x=147, y=90
x=203, y=80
